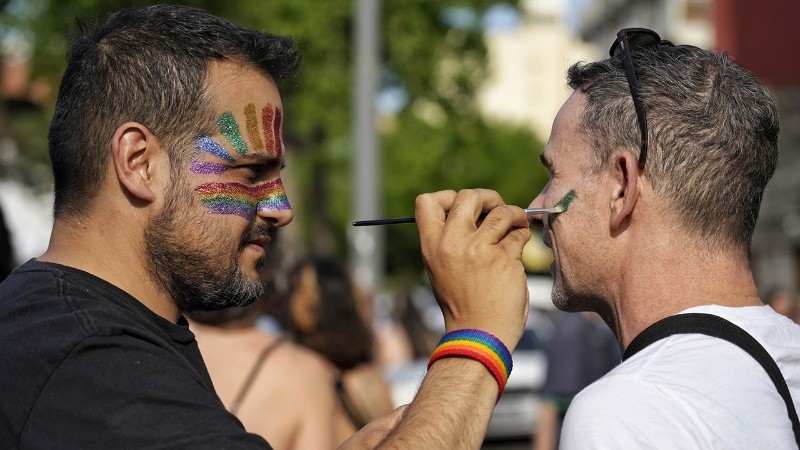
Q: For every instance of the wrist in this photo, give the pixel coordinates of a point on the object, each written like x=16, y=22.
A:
x=480, y=346
x=508, y=336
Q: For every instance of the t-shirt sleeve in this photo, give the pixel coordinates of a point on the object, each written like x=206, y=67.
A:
x=126, y=393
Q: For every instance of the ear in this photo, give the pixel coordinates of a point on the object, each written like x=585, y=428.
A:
x=134, y=149
x=625, y=193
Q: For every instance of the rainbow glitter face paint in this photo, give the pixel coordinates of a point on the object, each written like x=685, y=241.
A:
x=241, y=200
x=230, y=129
x=276, y=126
x=271, y=119
x=563, y=204
x=251, y=121
x=206, y=167
x=208, y=145
x=235, y=198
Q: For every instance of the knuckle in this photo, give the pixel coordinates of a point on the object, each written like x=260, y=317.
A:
x=422, y=199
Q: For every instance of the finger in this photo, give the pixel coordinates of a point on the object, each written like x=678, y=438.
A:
x=500, y=221
x=431, y=208
x=515, y=240
x=468, y=206
x=430, y=213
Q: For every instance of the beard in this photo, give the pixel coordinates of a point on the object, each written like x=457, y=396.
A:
x=198, y=275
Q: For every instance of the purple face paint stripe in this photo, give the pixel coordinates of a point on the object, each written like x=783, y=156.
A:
x=208, y=145
x=206, y=168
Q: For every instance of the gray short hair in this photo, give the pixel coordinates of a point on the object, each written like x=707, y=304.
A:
x=712, y=128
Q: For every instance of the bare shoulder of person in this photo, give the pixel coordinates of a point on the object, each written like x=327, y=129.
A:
x=305, y=364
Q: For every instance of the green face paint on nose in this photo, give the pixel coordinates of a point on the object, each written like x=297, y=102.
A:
x=563, y=204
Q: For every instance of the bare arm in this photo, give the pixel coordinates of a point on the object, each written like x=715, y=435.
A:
x=451, y=410
x=479, y=282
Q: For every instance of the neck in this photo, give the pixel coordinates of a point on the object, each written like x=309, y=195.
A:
x=103, y=246
x=661, y=278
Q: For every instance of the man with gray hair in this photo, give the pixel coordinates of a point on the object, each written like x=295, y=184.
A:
x=659, y=160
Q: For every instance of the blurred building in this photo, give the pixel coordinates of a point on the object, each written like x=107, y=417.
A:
x=765, y=38
x=528, y=65
x=689, y=21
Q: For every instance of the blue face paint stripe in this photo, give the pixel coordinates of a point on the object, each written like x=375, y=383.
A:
x=208, y=145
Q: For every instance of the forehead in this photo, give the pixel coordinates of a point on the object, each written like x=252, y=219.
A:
x=234, y=85
x=568, y=142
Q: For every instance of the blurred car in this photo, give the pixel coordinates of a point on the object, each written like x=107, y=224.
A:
x=516, y=413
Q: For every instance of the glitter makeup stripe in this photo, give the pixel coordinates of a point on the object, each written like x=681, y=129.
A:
x=206, y=168
x=277, y=129
x=208, y=145
x=241, y=200
x=230, y=129
x=267, y=117
x=251, y=121
x=562, y=204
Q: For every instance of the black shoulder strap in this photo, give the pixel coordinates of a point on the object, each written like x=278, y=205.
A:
x=251, y=376
x=718, y=327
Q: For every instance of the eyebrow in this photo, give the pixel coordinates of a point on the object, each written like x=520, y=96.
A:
x=259, y=158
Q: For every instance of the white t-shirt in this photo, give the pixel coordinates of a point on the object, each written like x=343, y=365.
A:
x=693, y=391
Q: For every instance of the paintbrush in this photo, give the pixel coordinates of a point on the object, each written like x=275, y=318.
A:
x=394, y=220
x=560, y=207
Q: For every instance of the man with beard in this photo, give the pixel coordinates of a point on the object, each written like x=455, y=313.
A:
x=167, y=154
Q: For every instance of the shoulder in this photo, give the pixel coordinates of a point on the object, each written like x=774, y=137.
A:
x=691, y=390
x=623, y=411
x=304, y=365
x=129, y=385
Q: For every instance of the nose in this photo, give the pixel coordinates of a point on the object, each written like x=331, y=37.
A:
x=537, y=220
x=274, y=206
x=278, y=217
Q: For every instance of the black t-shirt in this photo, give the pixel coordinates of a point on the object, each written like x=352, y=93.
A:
x=85, y=365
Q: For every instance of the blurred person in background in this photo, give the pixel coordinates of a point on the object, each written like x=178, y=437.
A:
x=325, y=311
x=7, y=262
x=783, y=302
x=278, y=389
x=581, y=350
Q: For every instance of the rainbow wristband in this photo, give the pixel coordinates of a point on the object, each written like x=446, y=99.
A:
x=480, y=346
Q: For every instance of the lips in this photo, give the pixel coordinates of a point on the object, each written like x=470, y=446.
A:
x=260, y=235
x=260, y=242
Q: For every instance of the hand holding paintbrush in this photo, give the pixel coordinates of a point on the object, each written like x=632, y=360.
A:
x=560, y=207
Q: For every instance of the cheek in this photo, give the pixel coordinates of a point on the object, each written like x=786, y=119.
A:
x=227, y=198
x=241, y=200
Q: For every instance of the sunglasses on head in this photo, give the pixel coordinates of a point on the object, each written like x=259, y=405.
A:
x=629, y=40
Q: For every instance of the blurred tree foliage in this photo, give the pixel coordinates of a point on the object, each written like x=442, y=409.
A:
x=437, y=140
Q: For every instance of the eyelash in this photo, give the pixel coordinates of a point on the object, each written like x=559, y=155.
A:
x=257, y=170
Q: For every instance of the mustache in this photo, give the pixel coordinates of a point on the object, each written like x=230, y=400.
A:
x=259, y=231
